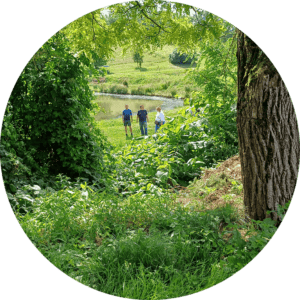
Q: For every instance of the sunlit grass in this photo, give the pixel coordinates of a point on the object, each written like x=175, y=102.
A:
x=139, y=247
x=157, y=74
x=144, y=246
x=114, y=130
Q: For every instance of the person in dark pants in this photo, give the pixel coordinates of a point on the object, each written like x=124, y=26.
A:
x=126, y=115
x=142, y=116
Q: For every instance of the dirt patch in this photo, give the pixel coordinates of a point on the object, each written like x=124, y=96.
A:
x=217, y=188
x=98, y=240
x=222, y=192
x=230, y=167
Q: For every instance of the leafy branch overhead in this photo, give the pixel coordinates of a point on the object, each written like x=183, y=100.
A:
x=146, y=25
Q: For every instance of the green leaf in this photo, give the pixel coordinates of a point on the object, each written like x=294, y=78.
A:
x=12, y=188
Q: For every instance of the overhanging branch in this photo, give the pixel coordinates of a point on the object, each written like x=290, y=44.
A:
x=144, y=13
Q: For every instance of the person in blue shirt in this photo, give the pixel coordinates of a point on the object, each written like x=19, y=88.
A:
x=142, y=116
x=126, y=116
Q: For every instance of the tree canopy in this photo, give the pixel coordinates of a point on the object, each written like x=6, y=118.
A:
x=145, y=25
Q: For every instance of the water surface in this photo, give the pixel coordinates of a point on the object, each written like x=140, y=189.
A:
x=115, y=104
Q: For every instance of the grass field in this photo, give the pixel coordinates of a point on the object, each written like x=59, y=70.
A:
x=157, y=76
x=113, y=129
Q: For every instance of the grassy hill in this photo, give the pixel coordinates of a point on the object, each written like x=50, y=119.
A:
x=157, y=76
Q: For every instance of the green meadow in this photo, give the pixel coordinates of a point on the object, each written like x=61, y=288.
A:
x=113, y=129
x=157, y=76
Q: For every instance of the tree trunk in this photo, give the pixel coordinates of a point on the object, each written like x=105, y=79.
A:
x=268, y=132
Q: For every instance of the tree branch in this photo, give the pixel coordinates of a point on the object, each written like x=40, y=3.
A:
x=193, y=8
x=143, y=12
x=93, y=18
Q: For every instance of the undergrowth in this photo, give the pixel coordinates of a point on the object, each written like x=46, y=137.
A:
x=143, y=246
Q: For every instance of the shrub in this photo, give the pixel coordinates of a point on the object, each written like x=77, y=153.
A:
x=180, y=58
x=165, y=85
x=187, y=89
x=173, y=93
x=51, y=108
x=121, y=90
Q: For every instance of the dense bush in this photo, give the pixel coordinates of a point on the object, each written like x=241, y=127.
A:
x=50, y=110
x=180, y=58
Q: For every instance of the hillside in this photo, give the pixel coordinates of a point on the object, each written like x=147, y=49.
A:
x=157, y=76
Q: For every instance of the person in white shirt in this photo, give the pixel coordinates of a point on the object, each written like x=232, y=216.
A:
x=159, y=119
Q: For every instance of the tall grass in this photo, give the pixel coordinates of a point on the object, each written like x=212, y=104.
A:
x=142, y=246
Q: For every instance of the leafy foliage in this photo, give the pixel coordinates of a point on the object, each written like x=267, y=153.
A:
x=152, y=24
x=50, y=112
x=217, y=100
x=218, y=75
x=112, y=244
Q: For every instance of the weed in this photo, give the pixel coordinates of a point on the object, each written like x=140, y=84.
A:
x=187, y=89
x=165, y=85
x=173, y=93
x=113, y=89
x=121, y=90
x=150, y=90
x=237, y=187
x=138, y=91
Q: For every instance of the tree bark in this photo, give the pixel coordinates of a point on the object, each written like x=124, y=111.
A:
x=268, y=133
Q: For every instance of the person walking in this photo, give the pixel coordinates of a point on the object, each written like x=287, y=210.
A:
x=126, y=115
x=142, y=116
x=159, y=119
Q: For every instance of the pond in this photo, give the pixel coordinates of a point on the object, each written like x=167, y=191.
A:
x=114, y=104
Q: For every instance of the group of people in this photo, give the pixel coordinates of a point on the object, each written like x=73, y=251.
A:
x=142, y=118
